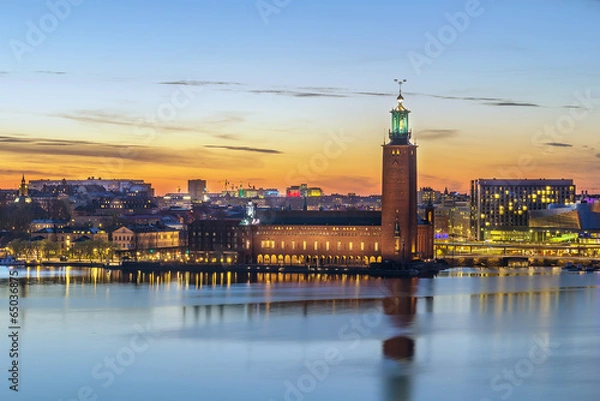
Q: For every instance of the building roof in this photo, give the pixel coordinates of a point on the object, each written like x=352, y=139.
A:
x=70, y=230
x=583, y=216
x=525, y=182
x=45, y=231
x=48, y=221
x=146, y=229
x=319, y=218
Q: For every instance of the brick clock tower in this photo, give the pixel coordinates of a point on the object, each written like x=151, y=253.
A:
x=399, y=191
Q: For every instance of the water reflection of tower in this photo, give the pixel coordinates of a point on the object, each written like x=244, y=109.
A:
x=401, y=307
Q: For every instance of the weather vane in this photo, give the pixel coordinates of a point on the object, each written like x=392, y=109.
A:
x=400, y=82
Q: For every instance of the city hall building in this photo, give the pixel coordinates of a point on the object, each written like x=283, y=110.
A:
x=358, y=238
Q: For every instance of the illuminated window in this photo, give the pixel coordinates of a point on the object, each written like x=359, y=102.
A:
x=350, y=246
x=304, y=245
x=316, y=245
x=327, y=245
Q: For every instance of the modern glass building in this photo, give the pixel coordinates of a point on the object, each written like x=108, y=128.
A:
x=580, y=222
x=500, y=208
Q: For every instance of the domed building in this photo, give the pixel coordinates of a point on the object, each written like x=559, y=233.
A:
x=23, y=192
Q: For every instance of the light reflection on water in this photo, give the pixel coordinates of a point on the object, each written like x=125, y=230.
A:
x=231, y=336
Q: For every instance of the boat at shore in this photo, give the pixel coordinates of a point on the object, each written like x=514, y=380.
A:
x=10, y=261
x=570, y=267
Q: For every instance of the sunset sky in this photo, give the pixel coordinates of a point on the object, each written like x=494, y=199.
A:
x=252, y=93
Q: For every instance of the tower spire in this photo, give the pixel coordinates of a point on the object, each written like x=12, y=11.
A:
x=399, y=223
x=24, y=190
x=400, y=82
x=400, y=133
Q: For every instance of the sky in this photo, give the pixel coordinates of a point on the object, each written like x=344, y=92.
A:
x=273, y=93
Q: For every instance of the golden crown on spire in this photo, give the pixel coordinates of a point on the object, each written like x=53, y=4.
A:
x=400, y=98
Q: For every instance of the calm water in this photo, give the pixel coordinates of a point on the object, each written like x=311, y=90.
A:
x=467, y=335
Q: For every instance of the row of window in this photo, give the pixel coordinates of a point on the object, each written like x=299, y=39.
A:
x=271, y=244
x=317, y=228
x=322, y=234
x=130, y=237
x=526, y=188
x=123, y=237
x=303, y=259
x=212, y=234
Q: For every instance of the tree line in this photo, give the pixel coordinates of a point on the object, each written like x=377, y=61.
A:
x=18, y=216
x=96, y=249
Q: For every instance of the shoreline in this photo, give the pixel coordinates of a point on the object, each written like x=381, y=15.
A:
x=417, y=269
x=421, y=270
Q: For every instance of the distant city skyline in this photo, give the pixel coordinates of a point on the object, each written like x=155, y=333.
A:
x=299, y=93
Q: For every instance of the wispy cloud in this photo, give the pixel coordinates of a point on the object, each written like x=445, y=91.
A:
x=18, y=173
x=295, y=93
x=66, y=147
x=98, y=117
x=488, y=101
x=202, y=83
x=225, y=118
x=512, y=104
x=11, y=139
x=336, y=92
x=97, y=151
x=51, y=72
x=119, y=119
x=559, y=145
x=320, y=88
x=377, y=94
x=466, y=98
x=23, y=139
x=245, y=149
x=432, y=134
